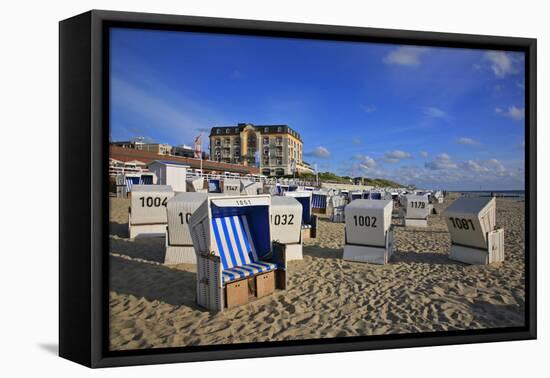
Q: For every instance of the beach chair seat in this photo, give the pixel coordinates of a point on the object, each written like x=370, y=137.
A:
x=237, y=249
x=247, y=270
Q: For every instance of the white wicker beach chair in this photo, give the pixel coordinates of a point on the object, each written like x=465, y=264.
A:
x=474, y=236
x=179, y=244
x=368, y=231
x=236, y=257
x=309, y=220
x=415, y=210
x=286, y=220
x=147, y=213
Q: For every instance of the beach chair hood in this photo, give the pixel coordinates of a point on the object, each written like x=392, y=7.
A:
x=368, y=221
x=470, y=219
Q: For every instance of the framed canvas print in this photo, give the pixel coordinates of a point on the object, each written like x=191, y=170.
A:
x=234, y=188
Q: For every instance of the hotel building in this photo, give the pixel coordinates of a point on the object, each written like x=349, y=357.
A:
x=275, y=149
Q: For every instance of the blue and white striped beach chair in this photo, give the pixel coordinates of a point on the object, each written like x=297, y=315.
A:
x=236, y=248
x=232, y=241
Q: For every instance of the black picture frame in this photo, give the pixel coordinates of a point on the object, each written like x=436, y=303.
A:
x=83, y=182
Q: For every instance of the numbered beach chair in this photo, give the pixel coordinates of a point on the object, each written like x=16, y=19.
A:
x=179, y=244
x=356, y=195
x=286, y=229
x=251, y=187
x=368, y=231
x=231, y=187
x=319, y=202
x=236, y=259
x=474, y=236
x=214, y=186
x=195, y=184
x=309, y=220
x=147, y=213
x=415, y=210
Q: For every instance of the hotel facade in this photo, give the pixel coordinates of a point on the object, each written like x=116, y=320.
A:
x=275, y=149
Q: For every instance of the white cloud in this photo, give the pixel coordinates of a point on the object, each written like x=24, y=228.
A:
x=396, y=156
x=434, y=112
x=498, y=110
x=319, y=152
x=516, y=113
x=367, y=108
x=405, y=56
x=365, y=161
x=441, y=161
x=501, y=63
x=424, y=154
x=474, y=166
x=467, y=141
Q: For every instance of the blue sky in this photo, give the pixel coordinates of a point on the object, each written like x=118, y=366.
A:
x=432, y=117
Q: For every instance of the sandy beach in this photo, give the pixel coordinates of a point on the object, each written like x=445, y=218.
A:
x=421, y=290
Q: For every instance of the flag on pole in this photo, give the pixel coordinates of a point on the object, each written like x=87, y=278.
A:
x=198, y=147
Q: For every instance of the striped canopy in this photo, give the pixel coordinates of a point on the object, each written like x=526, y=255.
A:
x=236, y=248
x=319, y=201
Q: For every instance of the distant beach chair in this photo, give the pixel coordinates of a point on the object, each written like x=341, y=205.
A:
x=147, y=213
x=236, y=258
x=319, y=202
x=368, y=231
x=286, y=225
x=356, y=195
x=214, y=186
x=474, y=236
x=231, y=187
x=415, y=210
x=251, y=187
x=309, y=220
x=195, y=184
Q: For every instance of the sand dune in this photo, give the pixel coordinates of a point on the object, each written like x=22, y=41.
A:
x=421, y=290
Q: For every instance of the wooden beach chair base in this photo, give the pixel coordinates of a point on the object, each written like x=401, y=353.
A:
x=474, y=256
x=180, y=254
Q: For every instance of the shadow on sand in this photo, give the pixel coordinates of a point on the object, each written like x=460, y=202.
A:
x=150, y=249
x=422, y=258
x=119, y=229
x=322, y=253
x=153, y=282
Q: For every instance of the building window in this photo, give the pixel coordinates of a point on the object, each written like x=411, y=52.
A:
x=218, y=141
x=218, y=131
x=266, y=130
x=279, y=129
x=227, y=131
x=266, y=140
x=266, y=151
x=279, y=161
x=279, y=141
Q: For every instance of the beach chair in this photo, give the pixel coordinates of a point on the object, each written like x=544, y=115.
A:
x=195, y=184
x=368, y=231
x=415, y=210
x=236, y=258
x=356, y=195
x=319, y=202
x=231, y=187
x=251, y=187
x=147, y=212
x=286, y=221
x=214, y=186
x=474, y=236
x=179, y=244
x=309, y=220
